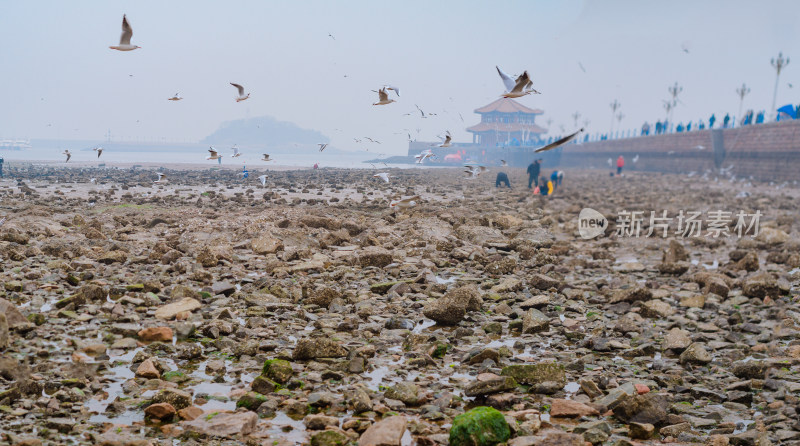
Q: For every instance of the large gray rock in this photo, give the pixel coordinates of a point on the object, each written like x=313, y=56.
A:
x=14, y=319
x=535, y=321
x=223, y=424
x=451, y=308
x=313, y=348
x=648, y=408
x=387, y=432
x=696, y=353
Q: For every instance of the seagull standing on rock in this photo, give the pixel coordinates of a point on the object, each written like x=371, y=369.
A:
x=125, y=38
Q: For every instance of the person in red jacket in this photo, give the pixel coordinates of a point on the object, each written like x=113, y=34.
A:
x=620, y=164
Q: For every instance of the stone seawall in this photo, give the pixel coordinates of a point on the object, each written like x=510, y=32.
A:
x=765, y=152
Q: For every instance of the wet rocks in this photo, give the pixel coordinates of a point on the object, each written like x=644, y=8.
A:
x=481, y=426
x=266, y=244
x=489, y=385
x=176, y=398
x=388, y=431
x=749, y=369
x=147, y=369
x=535, y=321
x=677, y=340
x=153, y=334
x=223, y=424
x=160, y=411
x=451, y=308
x=649, y=408
x=169, y=311
x=374, y=256
x=312, y=348
x=277, y=370
x=760, y=285
x=696, y=353
x=571, y=409
x=532, y=374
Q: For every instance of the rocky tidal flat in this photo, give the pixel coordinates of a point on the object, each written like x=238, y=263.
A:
x=212, y=310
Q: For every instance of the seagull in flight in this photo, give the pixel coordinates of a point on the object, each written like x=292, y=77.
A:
x=635, y=159
x=405, y=202
x=382, y=175
x=504, y=163
x=322, y=146
x=393, y=88
x=473, y=171
x=213, y=154
x=266, y=158
x=331, y=36
x=263, y=179
x=383, y=97
x=516, y=88
x=99, y=151
x=125, y=38
x=420, y=111
x=177, y=97
x=447, y=140
x=698, y=147
x=93, y=180
x=372, y=140
x=240, y=89
x=423, y=155
x=69, y=155
x=561, y=141
x=162, y=179
x=235, y=151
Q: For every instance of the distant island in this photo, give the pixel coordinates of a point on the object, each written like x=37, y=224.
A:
x=265, y=132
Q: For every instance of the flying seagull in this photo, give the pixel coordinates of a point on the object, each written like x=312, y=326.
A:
x=162, y=178
x=516, y=88
x=561, y=141
x=69, y=155
x=504, y=163
x=382, y=175
x=423, y=155
x=322, y=147
x=698, y=147
x=447, y=140
x=213, y=154
x=473, y=171
x=635, y=159
x=393, y=88
x=235, y=152
x=405, y=202
x=383, y=97
x=125, y=38
x=99, y=151
x=240, y=89
x=266, y=158
x=263, y=179
x=93, y=180
x=177, y=97
x=420, y=111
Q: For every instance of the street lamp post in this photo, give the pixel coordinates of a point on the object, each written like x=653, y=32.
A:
x=778, y=64
x=674, y=90
x=614, y=106
x=619, y=118
x=742, y=92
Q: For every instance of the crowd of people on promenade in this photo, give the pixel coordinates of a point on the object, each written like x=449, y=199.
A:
x=661, y=127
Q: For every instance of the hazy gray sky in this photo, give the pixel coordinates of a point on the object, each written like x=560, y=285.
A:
x=57, y=68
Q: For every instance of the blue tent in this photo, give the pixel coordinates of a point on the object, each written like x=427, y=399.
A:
x=788, y=110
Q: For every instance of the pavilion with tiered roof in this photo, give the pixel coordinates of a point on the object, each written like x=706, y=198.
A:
x=505, y=121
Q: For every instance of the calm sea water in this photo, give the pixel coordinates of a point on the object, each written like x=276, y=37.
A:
x=250, y=158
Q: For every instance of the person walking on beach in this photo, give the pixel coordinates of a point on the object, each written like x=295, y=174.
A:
x=620, y=164
x=556, y=177
x=502, y=178
x=533, y=172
